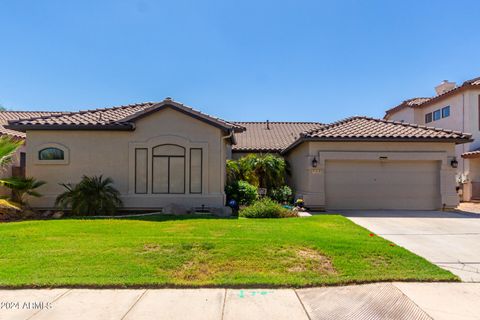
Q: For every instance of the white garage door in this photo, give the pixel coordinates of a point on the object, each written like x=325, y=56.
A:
x=411, y=185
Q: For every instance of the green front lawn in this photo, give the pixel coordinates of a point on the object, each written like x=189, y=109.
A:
x=202, y=251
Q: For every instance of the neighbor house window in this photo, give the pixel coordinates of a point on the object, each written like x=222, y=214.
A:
x=51, y=154
x=446, y=112
x=428, y=117
x=141, y=157
x=195, y=170
x=436, y=115
x=168, y=169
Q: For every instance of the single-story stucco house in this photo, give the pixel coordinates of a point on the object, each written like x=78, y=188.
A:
x=169, y=156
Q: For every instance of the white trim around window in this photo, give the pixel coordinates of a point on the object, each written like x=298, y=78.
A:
x=39, y=148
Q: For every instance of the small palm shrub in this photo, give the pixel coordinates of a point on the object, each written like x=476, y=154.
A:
x=262, y=170
x=283, y=194
x=233, y=172
x=8, y=147
x=92, y=196
x=22, y=188
x=242, y=192
x=265, y=208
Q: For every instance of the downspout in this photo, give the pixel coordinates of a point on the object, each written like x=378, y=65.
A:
x=228, y=136
x=463, y=130
x=222, y=161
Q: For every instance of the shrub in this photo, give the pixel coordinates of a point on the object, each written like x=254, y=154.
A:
x=22, y=187
x=92, y=196
x=265, y=208
x=283, y=194
x=242, y=192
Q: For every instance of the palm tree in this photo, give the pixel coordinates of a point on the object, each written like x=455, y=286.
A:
x=92, y=196
x=22, y=187
x=264, y=170
x=233, y=171
x=8, y=147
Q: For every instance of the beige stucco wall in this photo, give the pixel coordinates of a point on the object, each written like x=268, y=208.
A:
x=404, y=115
x=112, y=154
x=309, y=182
x=461, y=113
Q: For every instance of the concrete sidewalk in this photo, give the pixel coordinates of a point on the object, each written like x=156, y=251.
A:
x=371, y=301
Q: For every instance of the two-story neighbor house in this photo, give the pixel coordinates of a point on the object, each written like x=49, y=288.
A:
x=456, y=108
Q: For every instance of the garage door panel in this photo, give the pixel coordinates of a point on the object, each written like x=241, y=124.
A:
x=382, y=185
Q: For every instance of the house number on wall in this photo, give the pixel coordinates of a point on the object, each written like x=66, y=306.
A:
x=315, y=171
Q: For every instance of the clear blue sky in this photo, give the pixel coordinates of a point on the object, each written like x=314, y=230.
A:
x=239, y=60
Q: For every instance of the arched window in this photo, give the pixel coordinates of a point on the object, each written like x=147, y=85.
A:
x=168, y=169
x=51, y=154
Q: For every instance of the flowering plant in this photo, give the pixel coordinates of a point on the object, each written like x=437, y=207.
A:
x=299, y=203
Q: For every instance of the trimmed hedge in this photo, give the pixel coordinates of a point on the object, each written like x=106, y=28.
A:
x=266, y=208
x=242, y=192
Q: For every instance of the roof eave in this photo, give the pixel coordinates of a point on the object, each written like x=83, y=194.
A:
x=257, y=150
x=108, y=127
x=471, y=156
x=342, y=139
x=386, y=139
x=13, y=136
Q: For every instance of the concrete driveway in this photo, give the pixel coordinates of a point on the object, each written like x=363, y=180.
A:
x=450, y=240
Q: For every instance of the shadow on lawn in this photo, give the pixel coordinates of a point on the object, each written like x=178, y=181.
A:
x=159, y=217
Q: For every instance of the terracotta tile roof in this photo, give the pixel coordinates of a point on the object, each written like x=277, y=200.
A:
x=271, y=137
x=471, y=154
x=115, y=118
x=472, y=82
x=412, y=103
x=370, y=129
x=422, y=102
x=6, y=116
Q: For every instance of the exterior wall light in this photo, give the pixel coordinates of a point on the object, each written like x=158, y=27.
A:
x=314, y=162
x=454, y=163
